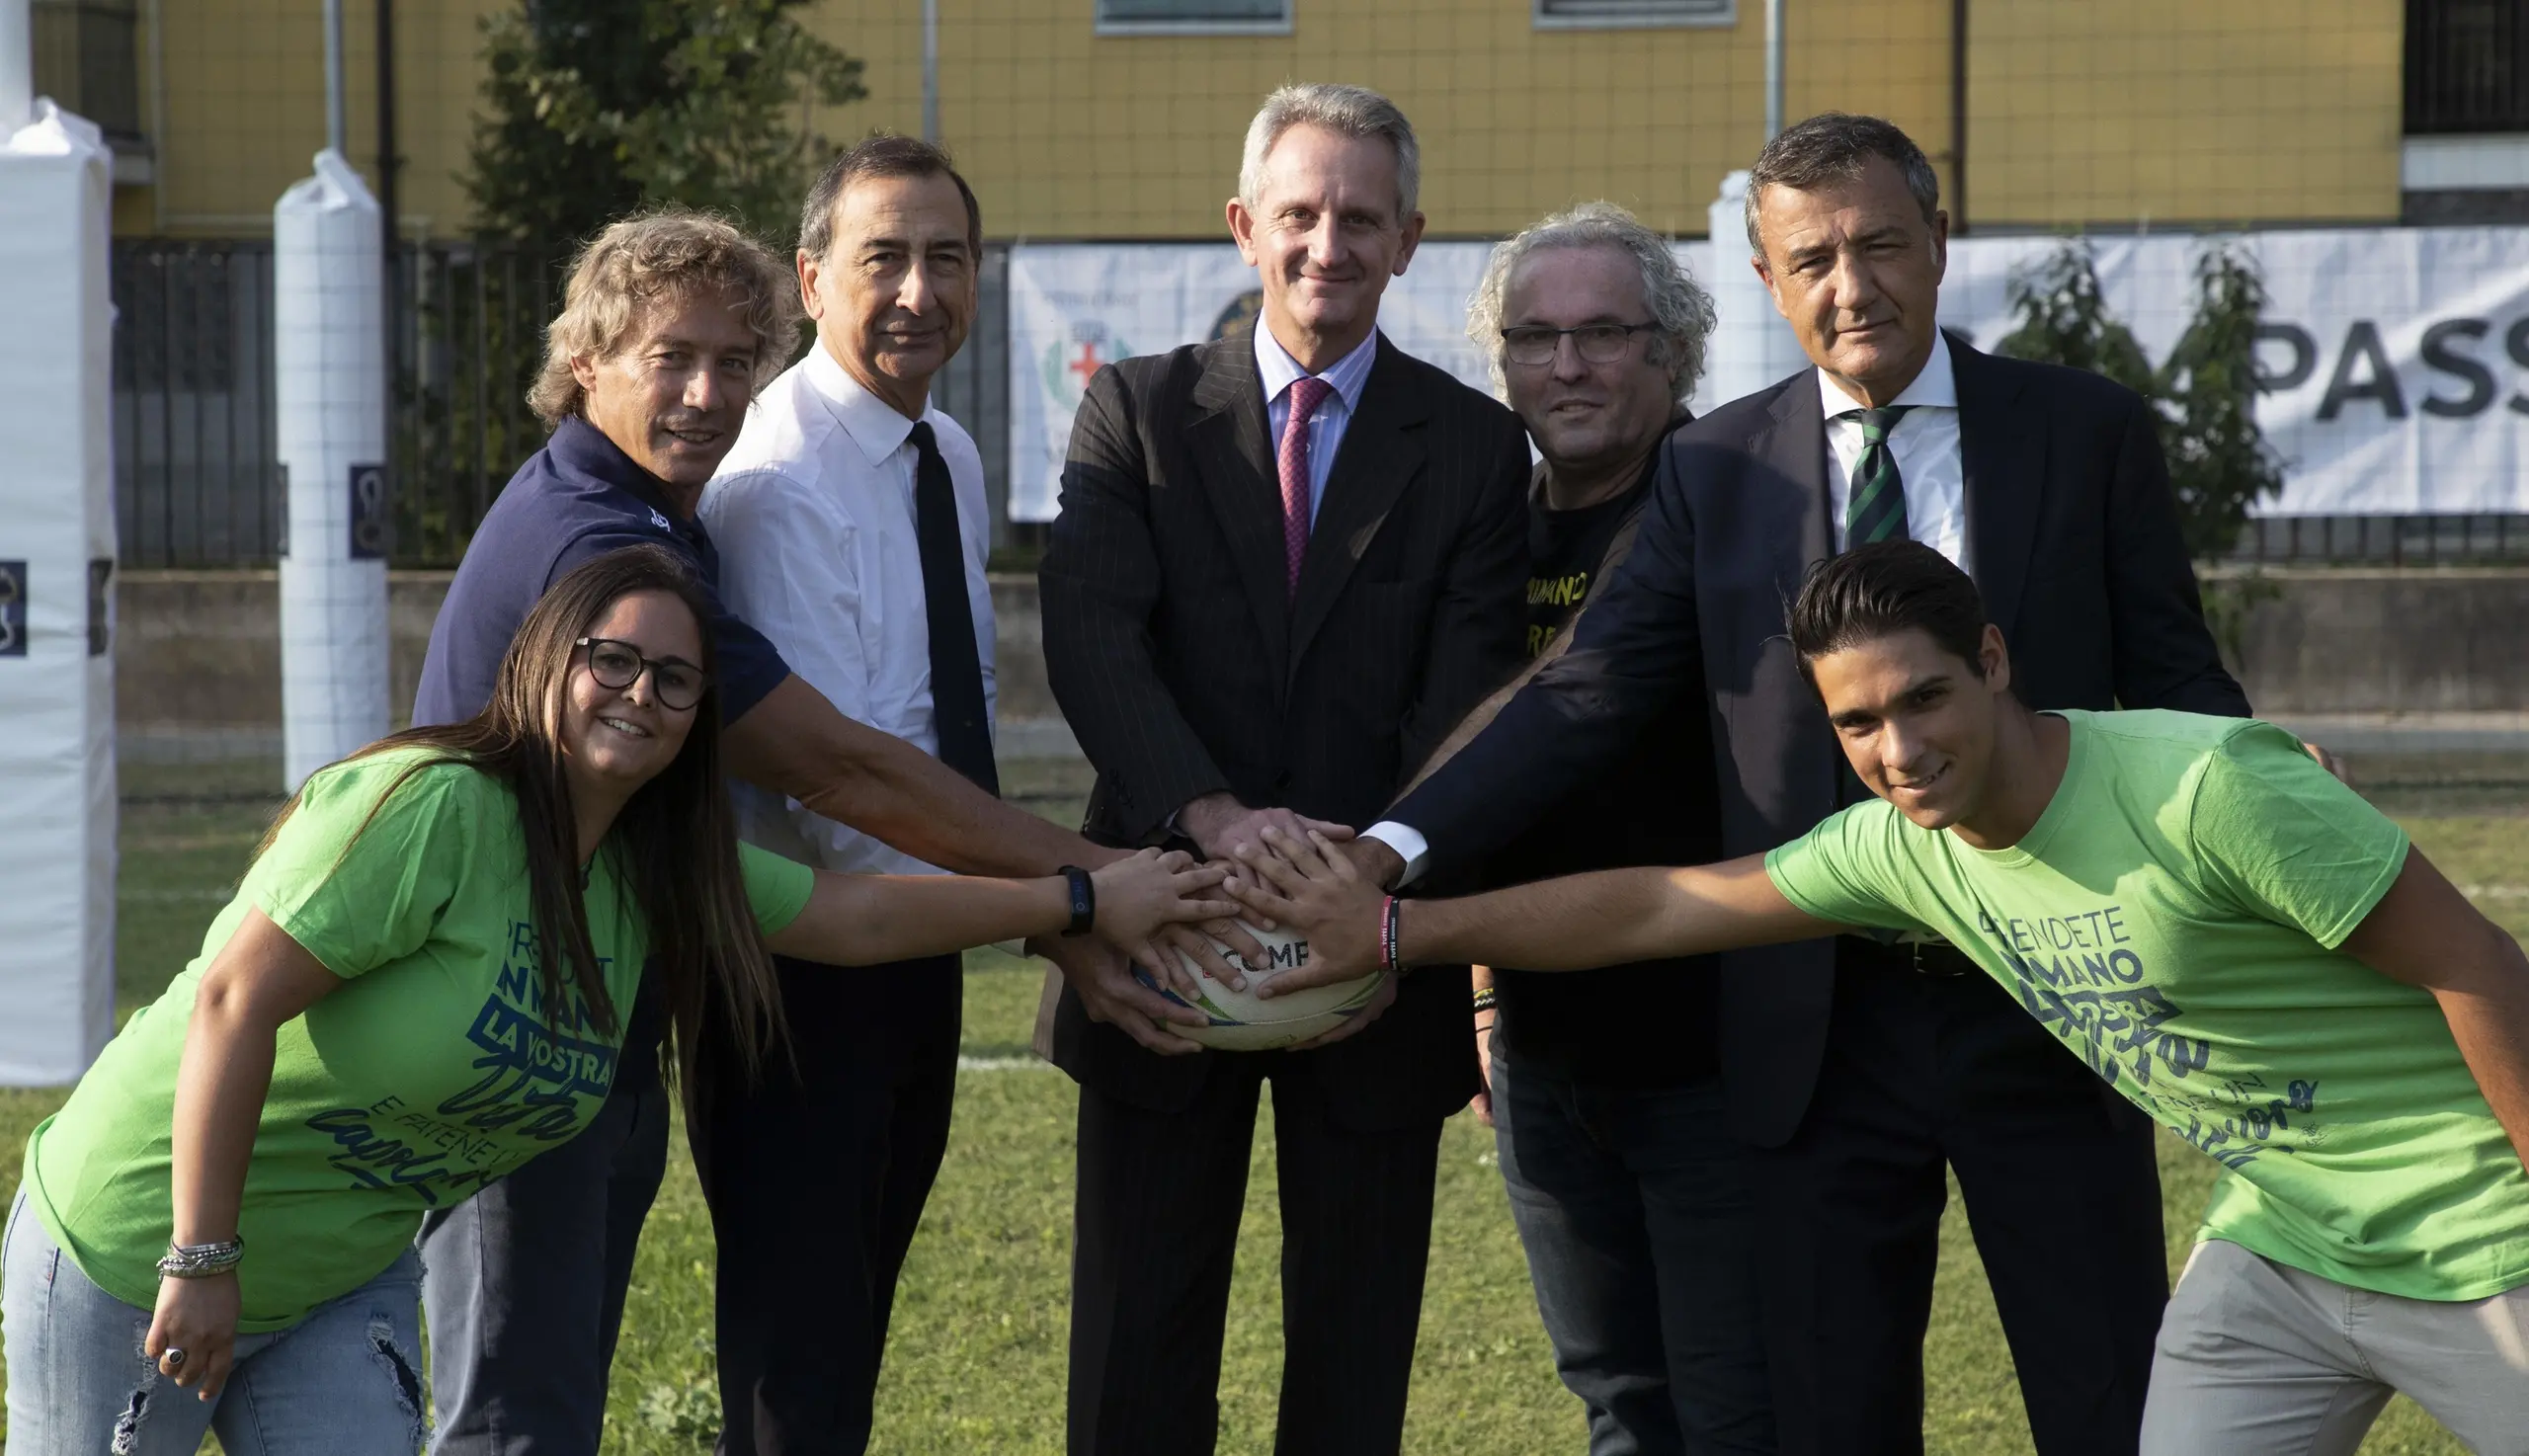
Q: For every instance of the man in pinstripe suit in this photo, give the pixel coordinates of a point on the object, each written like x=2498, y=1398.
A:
x=1287, y=562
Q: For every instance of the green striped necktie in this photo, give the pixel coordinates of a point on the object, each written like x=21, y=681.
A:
x=1877, y=510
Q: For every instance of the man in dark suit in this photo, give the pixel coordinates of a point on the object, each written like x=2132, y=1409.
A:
x=1860, y=1070
x=1287, y=562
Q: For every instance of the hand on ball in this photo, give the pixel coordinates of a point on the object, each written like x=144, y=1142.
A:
x=1311, y=887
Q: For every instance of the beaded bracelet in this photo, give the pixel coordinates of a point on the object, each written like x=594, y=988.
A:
x=1485, y=997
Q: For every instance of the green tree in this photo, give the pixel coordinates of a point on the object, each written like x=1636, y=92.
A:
x=2202, y=397
x=2220, y=464
x=595, y=107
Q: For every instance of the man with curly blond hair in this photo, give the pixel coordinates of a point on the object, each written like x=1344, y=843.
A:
x=671, y=324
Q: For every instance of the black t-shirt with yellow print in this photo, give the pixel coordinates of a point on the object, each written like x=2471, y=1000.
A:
x=1649, y=1023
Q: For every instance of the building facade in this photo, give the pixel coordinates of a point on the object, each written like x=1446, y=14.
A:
x=1121, y=119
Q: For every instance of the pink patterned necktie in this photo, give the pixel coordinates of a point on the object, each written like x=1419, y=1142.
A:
x=1307, y=393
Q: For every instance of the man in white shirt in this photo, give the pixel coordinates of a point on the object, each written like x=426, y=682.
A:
x=1865, y=1075
x=853, y=529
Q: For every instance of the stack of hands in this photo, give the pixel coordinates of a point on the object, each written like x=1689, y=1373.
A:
x=1282, y=870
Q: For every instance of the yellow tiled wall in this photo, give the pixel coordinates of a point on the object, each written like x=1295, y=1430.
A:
x=2079, y=111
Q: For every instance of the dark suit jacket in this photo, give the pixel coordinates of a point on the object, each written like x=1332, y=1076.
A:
x=2071, y=536
x=1185, y=666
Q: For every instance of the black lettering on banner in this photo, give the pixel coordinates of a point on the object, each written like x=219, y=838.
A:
x=2515, y=342
x=2304, y=357
x=2362, y=345
x=2440, y=352
x=101, y=576
x=373, y=528
x=13, y=608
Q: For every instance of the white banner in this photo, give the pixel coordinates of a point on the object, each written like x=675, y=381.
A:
x=1073, y=306
x=2397, y=359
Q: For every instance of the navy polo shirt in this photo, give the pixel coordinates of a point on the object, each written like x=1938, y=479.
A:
x=578, y=497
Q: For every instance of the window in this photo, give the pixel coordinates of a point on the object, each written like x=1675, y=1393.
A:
x=2467, y=67
x=1195, y=16
x=87, y=57
x=1609, y=14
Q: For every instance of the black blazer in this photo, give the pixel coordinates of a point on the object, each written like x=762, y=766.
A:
x=1185, y=666
x=2071, y=536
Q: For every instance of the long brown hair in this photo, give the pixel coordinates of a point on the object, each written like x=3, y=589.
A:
x=672, y=847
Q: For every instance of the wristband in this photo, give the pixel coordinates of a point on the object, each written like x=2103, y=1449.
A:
x=1083, y=900
x=1388, y=913
x=1485, y=998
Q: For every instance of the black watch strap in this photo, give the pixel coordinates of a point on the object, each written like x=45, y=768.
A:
x=1083, y=900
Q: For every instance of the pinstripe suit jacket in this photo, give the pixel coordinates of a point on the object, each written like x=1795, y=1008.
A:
x=1187, y=666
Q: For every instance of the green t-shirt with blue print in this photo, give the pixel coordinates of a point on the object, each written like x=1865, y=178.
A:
x=431, y=1070
x=2173, y=917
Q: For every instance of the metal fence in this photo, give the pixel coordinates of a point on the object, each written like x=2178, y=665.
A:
x=196, y=478
x=197, y=481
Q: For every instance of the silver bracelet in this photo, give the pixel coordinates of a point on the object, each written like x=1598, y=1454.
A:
x=202, y=1260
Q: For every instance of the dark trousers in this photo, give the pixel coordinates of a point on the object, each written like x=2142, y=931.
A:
x=2061, y=1191
x=1640, y=1227
x=1155, y=1231
x=523, y=1284
x=816, y=1179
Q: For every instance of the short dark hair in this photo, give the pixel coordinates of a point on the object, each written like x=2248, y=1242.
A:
x=1880, y=590
x=881, y=156
x=1832, y=147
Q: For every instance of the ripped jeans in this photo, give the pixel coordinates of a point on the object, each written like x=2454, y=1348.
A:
x=345, y=1381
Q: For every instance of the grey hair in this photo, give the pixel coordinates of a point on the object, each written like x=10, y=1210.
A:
x=1346, y=111
x=1833, y=147
x=1679, y=307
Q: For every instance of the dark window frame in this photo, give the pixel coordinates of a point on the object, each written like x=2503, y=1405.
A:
x=1631, y=15
x=1215, y=24
x=2466, y=67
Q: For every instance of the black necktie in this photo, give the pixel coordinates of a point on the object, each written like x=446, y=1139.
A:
x=956, y=674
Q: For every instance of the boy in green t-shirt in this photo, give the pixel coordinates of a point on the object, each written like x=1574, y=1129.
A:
x=2238, y=942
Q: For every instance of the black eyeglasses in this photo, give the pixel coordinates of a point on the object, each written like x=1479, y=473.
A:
x=1534, y=343
x=619, y=665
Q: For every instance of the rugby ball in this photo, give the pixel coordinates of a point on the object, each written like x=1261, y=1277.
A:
x=1242, y=1022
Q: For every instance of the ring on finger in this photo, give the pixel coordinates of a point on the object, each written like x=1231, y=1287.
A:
x=173, y=1359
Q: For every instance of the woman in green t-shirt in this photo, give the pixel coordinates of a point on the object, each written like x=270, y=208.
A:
x=421, y=984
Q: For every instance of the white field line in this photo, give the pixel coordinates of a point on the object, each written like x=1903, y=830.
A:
x=2495, y=892
x=1002, y=1064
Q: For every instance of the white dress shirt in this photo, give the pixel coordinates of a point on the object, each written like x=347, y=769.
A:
x=1928, y=463
x=1279, y=371
x=813, y=513
x=1926, y=444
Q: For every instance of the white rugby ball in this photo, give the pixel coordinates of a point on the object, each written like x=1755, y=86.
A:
x=1242, y=1022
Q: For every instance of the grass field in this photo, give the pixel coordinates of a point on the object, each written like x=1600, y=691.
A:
x=976, y=1361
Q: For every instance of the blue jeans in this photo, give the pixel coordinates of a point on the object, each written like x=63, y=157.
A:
x=343, y=1382
x=1640, y=1229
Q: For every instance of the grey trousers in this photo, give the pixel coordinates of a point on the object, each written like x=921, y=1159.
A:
x=2256, y=1358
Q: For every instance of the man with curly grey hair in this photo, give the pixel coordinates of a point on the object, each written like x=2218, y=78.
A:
x=671, y=322
x=1630, y=1194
